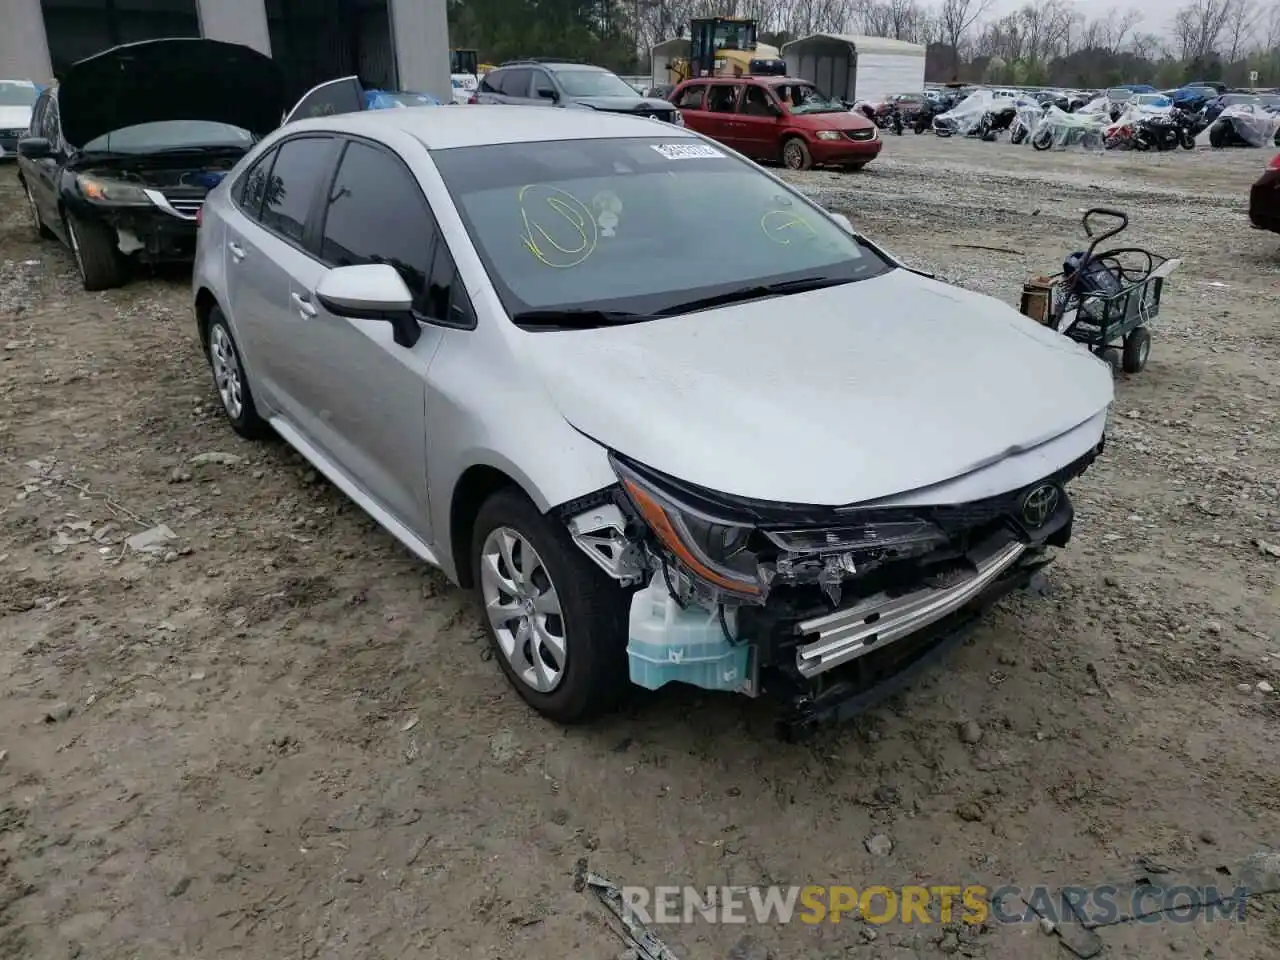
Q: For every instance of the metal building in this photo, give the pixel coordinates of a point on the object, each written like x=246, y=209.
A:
x=393, y=44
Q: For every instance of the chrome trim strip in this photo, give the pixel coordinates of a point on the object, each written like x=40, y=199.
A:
x=161, y=201
x=848, y=634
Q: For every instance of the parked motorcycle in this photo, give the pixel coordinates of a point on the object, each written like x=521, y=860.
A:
x=1164, y=132
x=1061, y=129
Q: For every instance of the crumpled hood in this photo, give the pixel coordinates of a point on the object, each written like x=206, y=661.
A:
x=832, y=397
x=187, y=78
x=636, y=104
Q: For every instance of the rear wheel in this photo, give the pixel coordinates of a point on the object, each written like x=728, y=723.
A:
x=230, y=381
x=795, y=155
x=557, y=622
x=100, y=264
x=1137, y=350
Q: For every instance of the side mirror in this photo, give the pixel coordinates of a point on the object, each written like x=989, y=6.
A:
x=546, y=93
x=371, y=291
x=843, y=221
x=35, y=148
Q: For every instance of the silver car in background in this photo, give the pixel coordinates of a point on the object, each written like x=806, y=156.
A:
x=670, y=419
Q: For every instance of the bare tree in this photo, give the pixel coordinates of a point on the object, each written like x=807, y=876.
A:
x=1146, y=46
x=956, y=18
x=1116, y=27
x=1271, y=36
x=1243, y=17
x=1197, y=26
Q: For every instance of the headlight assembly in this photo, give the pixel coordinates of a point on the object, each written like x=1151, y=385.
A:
x=111, y=191
x=713, y=549
x=829, y=135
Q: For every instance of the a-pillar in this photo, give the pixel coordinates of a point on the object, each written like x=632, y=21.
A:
x=24, y=48
x=420, y=33
x=235, y=21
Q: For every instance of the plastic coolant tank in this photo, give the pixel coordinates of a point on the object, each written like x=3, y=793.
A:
x=667, y=644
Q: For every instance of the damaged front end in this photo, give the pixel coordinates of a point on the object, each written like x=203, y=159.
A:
x=824, y=606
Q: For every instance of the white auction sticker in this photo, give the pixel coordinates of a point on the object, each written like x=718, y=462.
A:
x=687, y=151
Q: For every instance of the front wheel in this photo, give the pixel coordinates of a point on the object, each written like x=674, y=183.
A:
x=1042, y=140
x=795, y=155
x=100, y=264
x=556, y=621
x=1137, y=350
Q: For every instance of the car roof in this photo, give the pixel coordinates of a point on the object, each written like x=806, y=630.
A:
x=474, y=125
x=551, y=65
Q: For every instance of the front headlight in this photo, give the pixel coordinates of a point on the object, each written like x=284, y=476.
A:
x=110, y=191
x=712, y=549
x=829, y=135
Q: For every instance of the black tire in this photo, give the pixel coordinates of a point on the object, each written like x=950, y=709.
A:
x=1187, y=139
x=244, y=419
x=1114, y=358
x=1137, y=350
x=1043, y=140
x=795, y=154
x=43, y=232
x=595, y=607
x=1218, y=136
x=1018, y=136
x=94, y=247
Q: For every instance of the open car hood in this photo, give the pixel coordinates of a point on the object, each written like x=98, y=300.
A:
x=845, y=395
x=185, y=78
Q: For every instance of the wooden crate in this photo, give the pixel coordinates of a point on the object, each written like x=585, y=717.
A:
x=1037, y=299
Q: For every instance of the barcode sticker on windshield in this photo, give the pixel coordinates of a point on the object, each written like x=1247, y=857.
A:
x=687, y=151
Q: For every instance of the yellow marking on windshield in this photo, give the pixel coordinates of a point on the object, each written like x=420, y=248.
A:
x=576, y=232
x=784, y=228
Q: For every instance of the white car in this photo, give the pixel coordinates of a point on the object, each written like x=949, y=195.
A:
x=17, y=97
x=779, y=460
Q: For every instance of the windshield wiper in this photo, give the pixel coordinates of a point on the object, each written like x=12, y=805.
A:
x=754, y=292
x=576, y=319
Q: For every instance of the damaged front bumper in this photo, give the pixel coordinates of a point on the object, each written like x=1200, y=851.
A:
x=821, y=606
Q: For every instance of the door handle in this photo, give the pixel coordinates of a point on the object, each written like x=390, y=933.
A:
x=302, y=304
x=237, y=251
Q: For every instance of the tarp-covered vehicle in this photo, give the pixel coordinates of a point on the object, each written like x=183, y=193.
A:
x=1060, y=130
x=1244, y=125
x=981, y=114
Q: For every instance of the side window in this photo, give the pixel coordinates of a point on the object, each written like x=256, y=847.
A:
x=376, y=213
x=722, y=97
x=251, y=188
x=515, y=83
x=491, y=82
x=692, y=98
x=291, y=186
x=755, y=102
x=541, y=81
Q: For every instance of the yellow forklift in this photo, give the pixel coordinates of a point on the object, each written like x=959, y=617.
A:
x=726, y=47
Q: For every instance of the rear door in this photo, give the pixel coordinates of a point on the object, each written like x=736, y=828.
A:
x=760, y=123
x=344, y=95
x=265, y=250
x=722, y=119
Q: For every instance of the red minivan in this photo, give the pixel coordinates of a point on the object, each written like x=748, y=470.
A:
x=779, y=119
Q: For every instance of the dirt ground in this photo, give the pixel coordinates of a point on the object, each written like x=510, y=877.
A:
x=283, y=737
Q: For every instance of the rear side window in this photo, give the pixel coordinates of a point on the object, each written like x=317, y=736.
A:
x=376, y=213
x=251, y=188
x=722, y=97
x=288, y=191
x=515, y=83
x=692, y=98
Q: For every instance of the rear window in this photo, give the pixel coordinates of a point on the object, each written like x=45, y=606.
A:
x=625, y=224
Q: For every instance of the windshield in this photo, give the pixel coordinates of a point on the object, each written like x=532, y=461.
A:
x=624, y=225
x=594, y=83
x=801, y=98
x=17, y=94
x=171, y=135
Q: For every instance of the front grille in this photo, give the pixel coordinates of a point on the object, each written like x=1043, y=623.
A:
x=860, y=134
x=188, y=208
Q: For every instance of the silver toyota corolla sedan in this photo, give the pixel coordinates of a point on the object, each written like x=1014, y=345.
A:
x=669, y=418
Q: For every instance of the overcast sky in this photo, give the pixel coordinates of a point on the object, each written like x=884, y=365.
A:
x=1157, y=14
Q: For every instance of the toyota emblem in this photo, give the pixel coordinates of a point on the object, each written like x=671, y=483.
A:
x=1040, y=504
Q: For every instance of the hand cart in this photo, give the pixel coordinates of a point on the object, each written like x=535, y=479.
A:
x=1104, y=300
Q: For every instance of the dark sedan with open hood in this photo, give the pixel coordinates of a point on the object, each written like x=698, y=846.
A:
x=122, y=151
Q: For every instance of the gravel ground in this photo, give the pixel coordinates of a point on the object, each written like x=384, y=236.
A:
x=281, y=738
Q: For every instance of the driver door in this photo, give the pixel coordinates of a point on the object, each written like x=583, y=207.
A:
x=344, y=95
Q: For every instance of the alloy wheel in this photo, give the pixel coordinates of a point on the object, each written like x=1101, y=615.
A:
x=226, y=371
x=523, y=608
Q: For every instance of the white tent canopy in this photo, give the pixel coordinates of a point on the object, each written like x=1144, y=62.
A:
x=857, y=68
